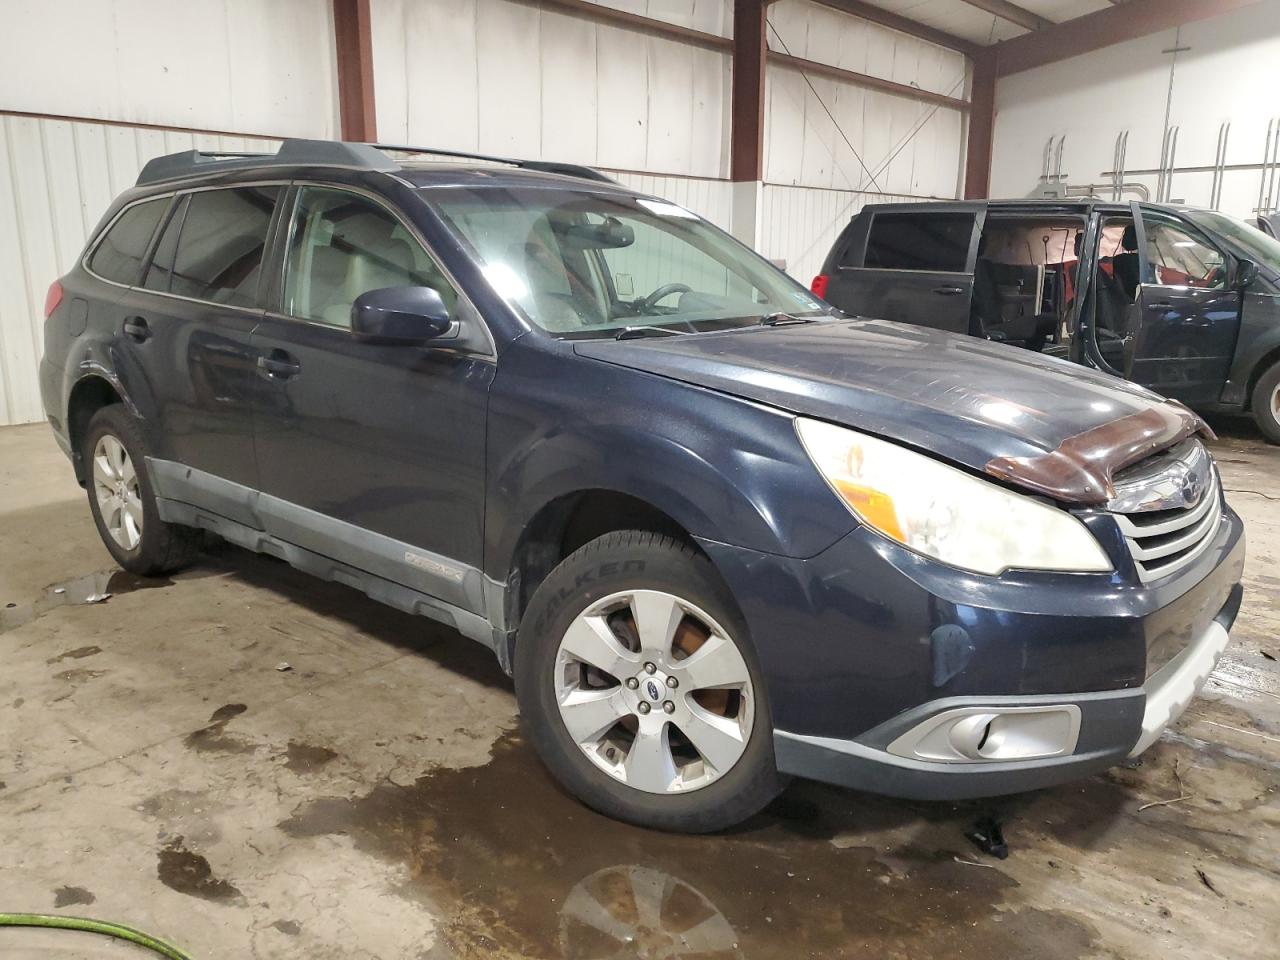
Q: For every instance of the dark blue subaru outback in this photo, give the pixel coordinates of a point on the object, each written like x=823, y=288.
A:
x=719, y=532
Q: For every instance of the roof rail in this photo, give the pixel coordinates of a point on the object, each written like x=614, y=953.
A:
x=331, y=153
x=194, y=163
x=544, y=166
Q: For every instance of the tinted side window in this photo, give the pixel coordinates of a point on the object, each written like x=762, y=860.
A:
x=119, y=256
x=344, y=245
x=161, y=268
x=920, y=241
x=220, y=247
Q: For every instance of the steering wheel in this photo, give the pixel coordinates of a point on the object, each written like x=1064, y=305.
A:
x=651, y=301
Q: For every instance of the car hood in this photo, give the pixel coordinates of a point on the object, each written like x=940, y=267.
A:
x=1045, y=424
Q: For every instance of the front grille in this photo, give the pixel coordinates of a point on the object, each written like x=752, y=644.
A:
x=1162, y=542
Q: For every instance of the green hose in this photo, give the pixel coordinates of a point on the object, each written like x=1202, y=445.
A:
x=103, y=927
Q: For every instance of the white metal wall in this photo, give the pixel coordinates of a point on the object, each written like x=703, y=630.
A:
x=1228, y=74
x=507, y=77
x=56, y=180
x=847, y=137
x=247, y=66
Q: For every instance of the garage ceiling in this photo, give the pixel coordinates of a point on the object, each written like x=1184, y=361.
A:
x=985, y=22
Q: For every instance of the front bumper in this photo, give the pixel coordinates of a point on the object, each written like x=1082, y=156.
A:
x=1113, y=726
x=866, y=642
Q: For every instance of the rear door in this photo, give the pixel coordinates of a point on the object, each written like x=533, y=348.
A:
x=1188, y=312
x=196, y=311
x=910, y=262
x=182, y=347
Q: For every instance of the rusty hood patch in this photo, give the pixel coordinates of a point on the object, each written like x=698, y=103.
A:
x=1082, y=468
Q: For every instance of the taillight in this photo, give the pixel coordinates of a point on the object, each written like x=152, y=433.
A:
x=52, y=299
x=819, y=285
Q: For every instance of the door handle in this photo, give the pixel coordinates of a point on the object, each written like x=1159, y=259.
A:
x=136, y=329
x=279, y=365
x=948, y=291
x=1161, y=305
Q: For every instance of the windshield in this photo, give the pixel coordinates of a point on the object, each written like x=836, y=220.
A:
x=589, y=265
x=1258, y=245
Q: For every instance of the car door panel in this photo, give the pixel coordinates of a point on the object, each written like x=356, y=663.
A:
x=888, y=265
x=1188, y=317
x=384, y=439
x=191, y=356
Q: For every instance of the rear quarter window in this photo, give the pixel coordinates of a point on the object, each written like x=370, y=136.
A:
x=118, y=256
x=936, y=242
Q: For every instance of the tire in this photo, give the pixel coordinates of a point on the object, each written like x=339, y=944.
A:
x=729, y=774
x=152, y=547
x=1265, y=403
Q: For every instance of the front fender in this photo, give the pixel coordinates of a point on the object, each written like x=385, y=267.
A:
x=725, y=469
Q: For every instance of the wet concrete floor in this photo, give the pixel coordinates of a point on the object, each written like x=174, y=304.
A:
x=375, y=799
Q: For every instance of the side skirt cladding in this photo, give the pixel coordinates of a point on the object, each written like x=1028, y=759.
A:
x=390, y=571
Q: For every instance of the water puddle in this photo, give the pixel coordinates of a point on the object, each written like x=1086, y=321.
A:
x=517, y=869
x=92, y=588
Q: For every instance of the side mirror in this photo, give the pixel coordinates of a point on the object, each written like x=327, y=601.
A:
x=1246, y=273
x=400, y=315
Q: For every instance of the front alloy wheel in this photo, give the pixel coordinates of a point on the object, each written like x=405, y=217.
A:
x=640, y=688
x=654, y=691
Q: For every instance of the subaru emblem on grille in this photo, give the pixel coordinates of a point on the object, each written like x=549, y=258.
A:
x=1192, y=488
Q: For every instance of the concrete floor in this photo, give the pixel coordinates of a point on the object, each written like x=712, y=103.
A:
x=375, y=799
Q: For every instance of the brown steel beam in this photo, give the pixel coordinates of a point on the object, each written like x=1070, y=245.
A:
x=865, y=80
x=353, y=42
x=982, y=122
x=1103, y=28
x=895, y=21
x=1013, y=13
x=658, y=28
x=746, y=111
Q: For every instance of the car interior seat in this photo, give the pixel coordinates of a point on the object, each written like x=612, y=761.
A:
x=362, y=255
x=1124, y=265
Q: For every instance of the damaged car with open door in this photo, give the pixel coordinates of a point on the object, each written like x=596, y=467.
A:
x=1181, y=300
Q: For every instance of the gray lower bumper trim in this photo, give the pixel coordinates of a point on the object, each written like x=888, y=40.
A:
x=1110, y=725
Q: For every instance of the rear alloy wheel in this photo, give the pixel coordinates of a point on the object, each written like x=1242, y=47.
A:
x=1265, y=403
x=115, y=484
x=640, y=689
x=123, y=502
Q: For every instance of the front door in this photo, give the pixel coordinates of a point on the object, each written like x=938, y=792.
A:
x=1188, y=312
x=913, y=263
x=370, y=454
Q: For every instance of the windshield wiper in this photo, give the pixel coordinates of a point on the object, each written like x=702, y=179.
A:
x=777, y=318
x=647, y=330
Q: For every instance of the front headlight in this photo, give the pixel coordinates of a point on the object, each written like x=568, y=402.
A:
x=943, y=512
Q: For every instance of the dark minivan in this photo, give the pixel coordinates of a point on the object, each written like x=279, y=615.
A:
x=1181, y=300
x=718, y=532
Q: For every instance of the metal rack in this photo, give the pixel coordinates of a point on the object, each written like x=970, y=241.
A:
x=332, y=153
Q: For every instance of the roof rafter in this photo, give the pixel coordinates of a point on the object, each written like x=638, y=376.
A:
x=1103, y=28
x=1015, y=14
x=895, y=21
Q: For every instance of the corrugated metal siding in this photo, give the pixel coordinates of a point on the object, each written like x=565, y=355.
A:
x=799, y=224
x=57, y=178
x=711, y=199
